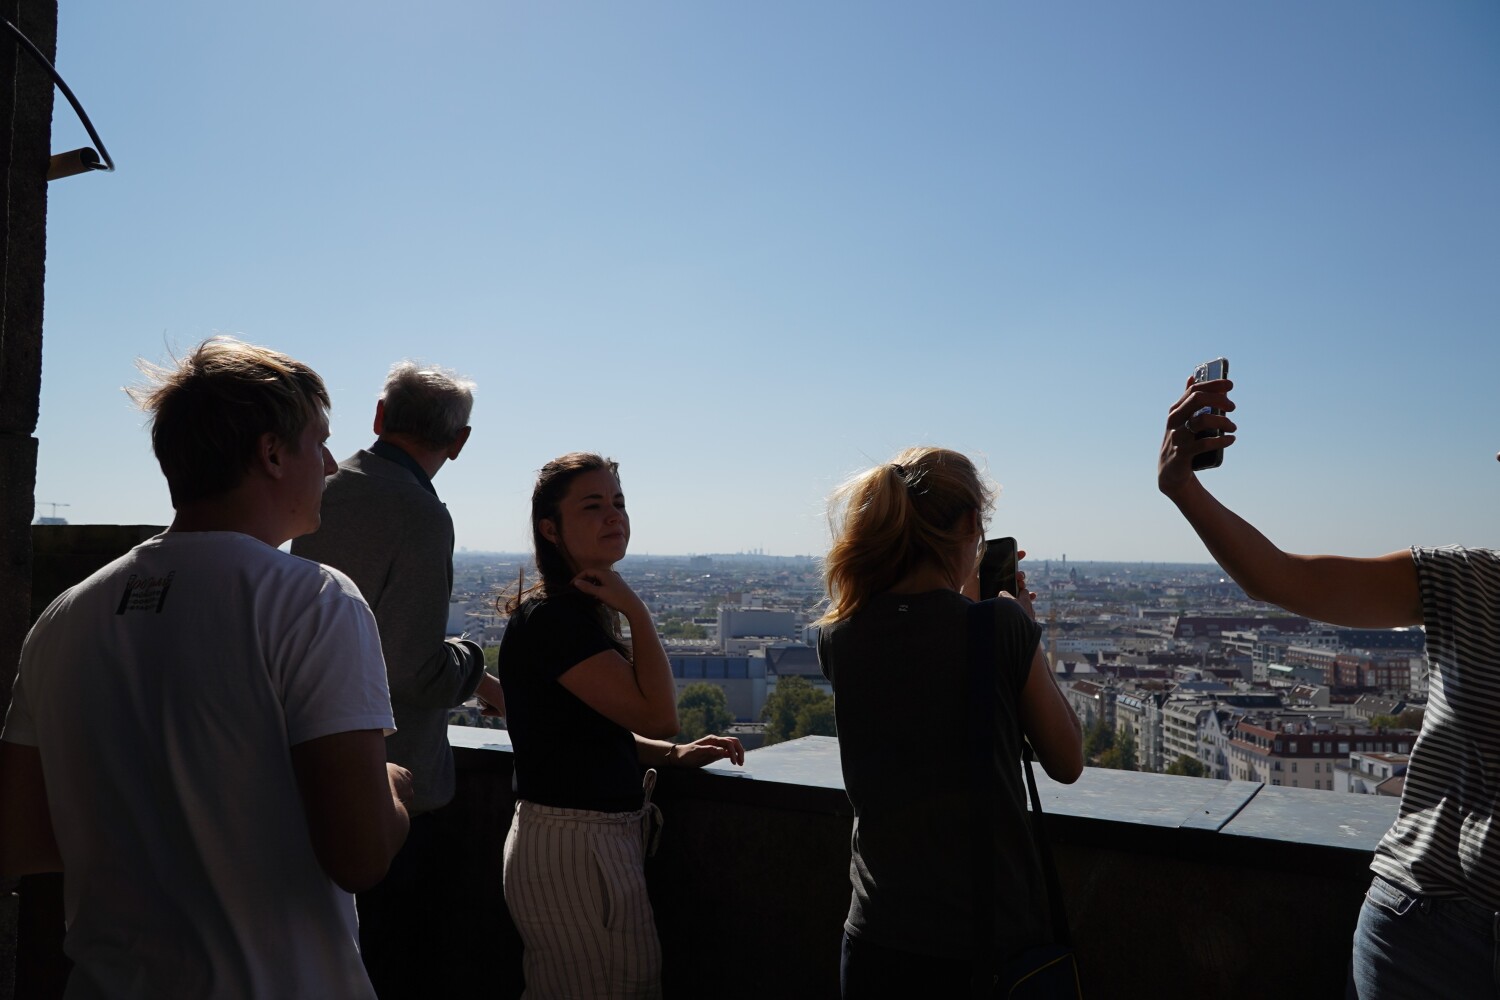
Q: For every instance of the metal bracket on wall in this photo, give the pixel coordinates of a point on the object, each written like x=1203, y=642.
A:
x=75, y=161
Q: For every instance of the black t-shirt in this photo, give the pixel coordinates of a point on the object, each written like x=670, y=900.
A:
x=566, y=754
x=899, y=670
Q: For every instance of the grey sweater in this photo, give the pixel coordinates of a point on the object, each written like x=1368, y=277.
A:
x=395, y=540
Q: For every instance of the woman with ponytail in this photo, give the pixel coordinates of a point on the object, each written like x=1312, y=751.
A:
x=894, y=643
x=586, y=711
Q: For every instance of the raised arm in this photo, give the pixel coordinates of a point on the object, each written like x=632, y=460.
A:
x=355, y=804
x=639, y=695
x=1363, y=593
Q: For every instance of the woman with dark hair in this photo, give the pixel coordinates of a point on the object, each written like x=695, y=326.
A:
x=586, y=709
x=895, y=645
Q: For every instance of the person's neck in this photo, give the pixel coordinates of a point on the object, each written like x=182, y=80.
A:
x=923, y=579
x=430, y=459
x=230, y=512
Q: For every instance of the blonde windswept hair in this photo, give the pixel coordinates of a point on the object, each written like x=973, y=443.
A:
x=209, y=408
x=887, y=521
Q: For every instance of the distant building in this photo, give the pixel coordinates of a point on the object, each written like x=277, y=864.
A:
x=1369, y=705
x=1373, y=773
x=743, y=679
x=1185, y=732
x=1308, y=696
x=1411, y=640
x=1296, y=759
x=1217, y=729
x=1285, y=675
x=1139, y=713
x=1201, y=628
x=739, y=623
x=1384, y=670
x=1316, y=662
x=1092, y=700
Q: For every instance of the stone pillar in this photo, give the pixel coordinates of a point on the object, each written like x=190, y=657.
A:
x=25, y=140
x=26, y=118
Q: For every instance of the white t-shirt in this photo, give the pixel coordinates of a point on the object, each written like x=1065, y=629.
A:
x=165, y=693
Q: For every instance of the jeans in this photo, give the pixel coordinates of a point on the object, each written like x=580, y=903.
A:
x=1409, y=946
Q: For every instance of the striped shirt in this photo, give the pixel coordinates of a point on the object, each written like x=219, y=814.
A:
x=1446, y=840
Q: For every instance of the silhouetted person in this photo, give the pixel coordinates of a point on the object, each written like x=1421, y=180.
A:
x=894, y=642
x=196, y=736
x=384, y=525
x=586, y=711
x=1431, y=918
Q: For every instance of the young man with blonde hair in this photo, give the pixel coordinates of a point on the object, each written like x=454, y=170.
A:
x=196, y=736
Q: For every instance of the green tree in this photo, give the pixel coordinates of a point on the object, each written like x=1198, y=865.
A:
x=1099, y=738
x=678, y=628
x=1409, y=719
x=1121, y=756
x=1188, y=766
x=784, y=710
x=816, y=718
x=702, y=709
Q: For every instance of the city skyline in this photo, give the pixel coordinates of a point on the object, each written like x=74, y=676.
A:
x=750, y=251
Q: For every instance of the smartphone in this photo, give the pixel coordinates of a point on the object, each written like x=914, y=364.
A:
x=997, y=570
x=1207, y=372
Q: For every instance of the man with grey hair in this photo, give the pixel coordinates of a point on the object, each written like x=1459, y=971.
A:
x=385, y=527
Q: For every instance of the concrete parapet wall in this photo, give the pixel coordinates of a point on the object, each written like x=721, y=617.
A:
x=1175, y=887
x=65, y=554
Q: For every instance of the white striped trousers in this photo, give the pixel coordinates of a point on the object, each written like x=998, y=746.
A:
x=575, y=883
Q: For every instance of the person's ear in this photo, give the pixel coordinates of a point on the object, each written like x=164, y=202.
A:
x=548, y=528
x=379, y=417
x=458, y=443
x=270, y=453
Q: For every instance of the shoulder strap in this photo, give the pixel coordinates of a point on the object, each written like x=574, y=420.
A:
x=982, y=710
x=1060, y=933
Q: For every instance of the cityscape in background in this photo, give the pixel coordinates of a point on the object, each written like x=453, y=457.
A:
x=1169, y=666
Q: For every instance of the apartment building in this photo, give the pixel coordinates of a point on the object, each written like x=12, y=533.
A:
x=1184, y=731
x=1286, y=753
x=1373, y=773
x=1385, y=670
x=1139, y=712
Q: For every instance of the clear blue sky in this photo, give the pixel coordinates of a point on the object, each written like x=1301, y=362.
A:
x=748, y=249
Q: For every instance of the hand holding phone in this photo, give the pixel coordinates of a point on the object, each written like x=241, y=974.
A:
x=1208, y=372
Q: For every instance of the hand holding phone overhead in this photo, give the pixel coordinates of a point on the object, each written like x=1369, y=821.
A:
x=1198, y=428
